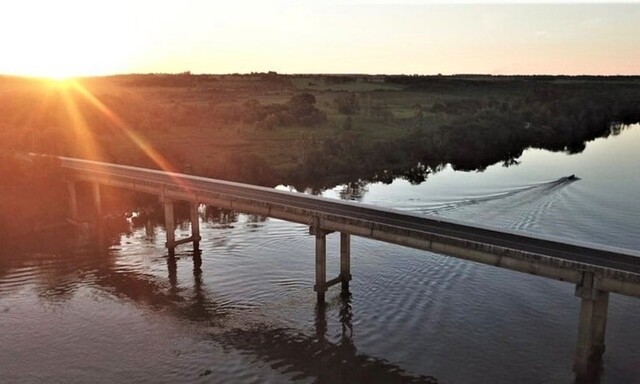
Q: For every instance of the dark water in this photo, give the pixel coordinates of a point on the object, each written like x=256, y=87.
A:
x=245, y=311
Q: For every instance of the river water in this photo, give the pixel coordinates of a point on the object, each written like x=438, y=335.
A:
x=245, y=310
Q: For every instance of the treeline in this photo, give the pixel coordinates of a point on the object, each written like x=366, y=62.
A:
x=188, y=79
x=487, y=82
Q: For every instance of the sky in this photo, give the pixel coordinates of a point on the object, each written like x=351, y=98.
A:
x=83, y=37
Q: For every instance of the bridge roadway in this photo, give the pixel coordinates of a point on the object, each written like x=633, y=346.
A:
x=595, y=269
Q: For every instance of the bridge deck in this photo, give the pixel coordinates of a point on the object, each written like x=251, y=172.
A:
x=614, y=269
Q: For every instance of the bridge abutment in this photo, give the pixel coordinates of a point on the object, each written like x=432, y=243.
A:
x=592, y=325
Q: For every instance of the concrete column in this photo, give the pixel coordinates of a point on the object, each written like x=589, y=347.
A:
x=73, y=200
x=195, y=226
x=97, y=204
x=345, y=260
x=592, y=326
x=169, y=224
x=97, y=208
x=321, y=265
x=600, y=310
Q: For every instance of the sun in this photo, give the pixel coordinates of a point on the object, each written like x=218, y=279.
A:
x=60, y=83
x=66, y=38
x=65, y=59
x=61, y=77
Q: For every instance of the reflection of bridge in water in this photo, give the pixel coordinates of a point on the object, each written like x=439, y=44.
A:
x=303, y=356
x=288, y=351
x=595, y=270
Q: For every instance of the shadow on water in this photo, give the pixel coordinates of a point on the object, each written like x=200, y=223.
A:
x=288, y=351
x=305, y=357
x=593, y=376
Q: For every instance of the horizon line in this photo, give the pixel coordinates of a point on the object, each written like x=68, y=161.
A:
x=38, y=77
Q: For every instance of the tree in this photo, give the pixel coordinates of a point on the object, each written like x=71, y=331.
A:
x=302, y=107
x=302, y=104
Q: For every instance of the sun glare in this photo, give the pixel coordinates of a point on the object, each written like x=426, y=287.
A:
x=59, y=82
x=66, y=39
x=77, y=100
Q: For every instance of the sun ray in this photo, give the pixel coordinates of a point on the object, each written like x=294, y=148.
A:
x=151, y=152
x=123, y=126
x=74, y=98
x=88, y=143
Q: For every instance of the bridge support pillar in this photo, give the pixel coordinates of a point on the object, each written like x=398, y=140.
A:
x=345, y=261
x=97, y=203
x=322, y=284
x=195, y=226
x=592, y=325
x=97, y=208
x=321, y=265
x=169, y=224
x=73, y=200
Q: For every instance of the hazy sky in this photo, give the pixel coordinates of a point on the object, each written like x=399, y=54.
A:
x=69, y=37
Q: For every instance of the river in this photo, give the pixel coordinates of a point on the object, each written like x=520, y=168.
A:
x=245, y=310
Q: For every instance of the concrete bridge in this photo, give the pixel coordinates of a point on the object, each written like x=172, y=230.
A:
x=595, y=270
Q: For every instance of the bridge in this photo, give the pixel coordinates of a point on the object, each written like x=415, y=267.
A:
x=595, y=270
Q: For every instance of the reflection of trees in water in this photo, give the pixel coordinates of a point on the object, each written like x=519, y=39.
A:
x=354, y=190
x=469, y=142
x=616, y=128
x=511, y=161
x=467, y=146
x=152, y=216
x=222, y=216
x=419, y=173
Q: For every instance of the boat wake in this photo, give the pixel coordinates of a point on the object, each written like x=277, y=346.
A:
x=518, y=208
x=525, y=194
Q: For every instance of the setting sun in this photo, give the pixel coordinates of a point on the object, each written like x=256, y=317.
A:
x=65, y=39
